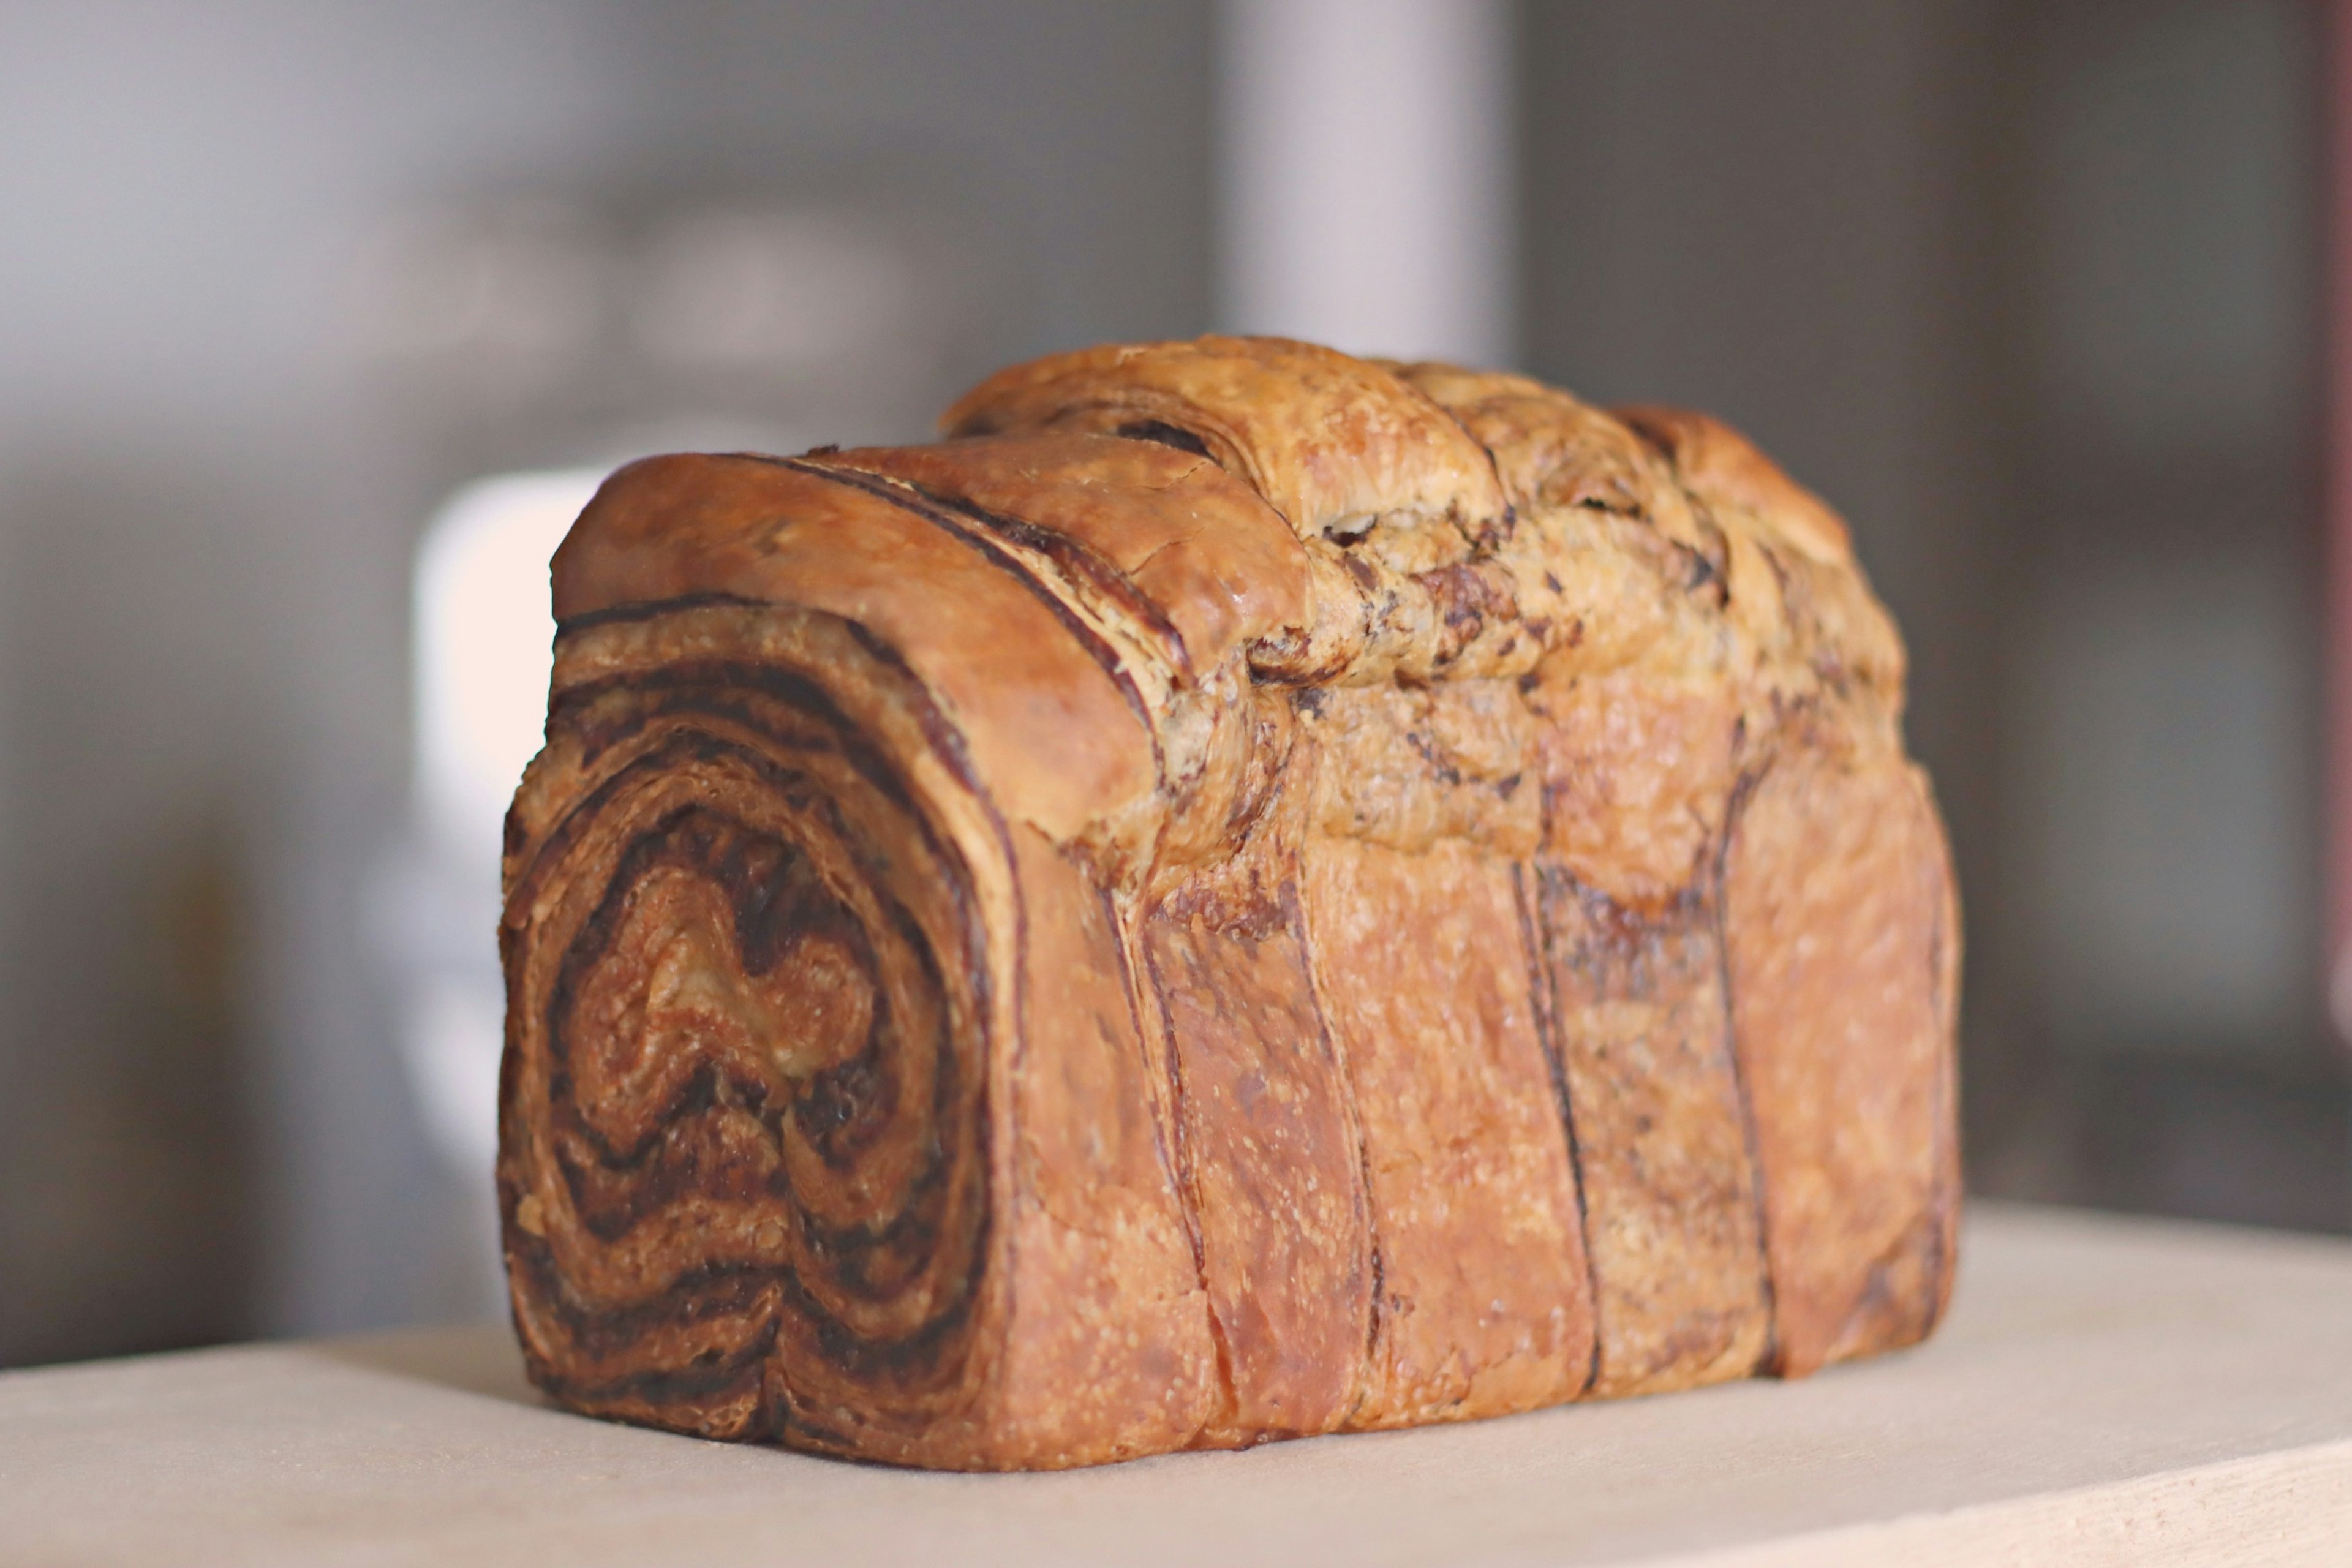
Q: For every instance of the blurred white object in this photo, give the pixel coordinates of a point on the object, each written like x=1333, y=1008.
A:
x=485, y=637
x=1365, y=167
x=509, y=329
x=484, y=633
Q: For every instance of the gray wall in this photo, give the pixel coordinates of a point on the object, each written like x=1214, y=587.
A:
x=2026, y=291
x=205, y=516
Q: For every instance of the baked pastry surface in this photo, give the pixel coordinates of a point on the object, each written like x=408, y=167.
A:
x=1246, y=893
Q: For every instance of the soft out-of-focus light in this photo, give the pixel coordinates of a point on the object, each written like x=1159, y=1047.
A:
x=484, y=646
x=1365, y=165
x=485, y=635
x=452, y=1032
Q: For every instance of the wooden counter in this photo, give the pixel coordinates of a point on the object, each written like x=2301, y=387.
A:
x=2106, y=1391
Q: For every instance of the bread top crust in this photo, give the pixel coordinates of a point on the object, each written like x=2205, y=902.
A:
x=1136, y=536
x=1201, y=553
x=1335, y=445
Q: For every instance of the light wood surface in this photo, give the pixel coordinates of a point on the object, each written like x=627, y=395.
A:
x=2107, y=1391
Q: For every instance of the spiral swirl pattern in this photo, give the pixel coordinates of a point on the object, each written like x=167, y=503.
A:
x=737, y=1117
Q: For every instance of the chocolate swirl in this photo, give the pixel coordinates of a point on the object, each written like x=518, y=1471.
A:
x=737, y=1117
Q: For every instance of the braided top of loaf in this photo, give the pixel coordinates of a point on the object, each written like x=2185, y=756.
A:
x=1456, y=548
x=1439, y=509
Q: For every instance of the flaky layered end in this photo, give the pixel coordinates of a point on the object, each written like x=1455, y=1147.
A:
x=745, y=1143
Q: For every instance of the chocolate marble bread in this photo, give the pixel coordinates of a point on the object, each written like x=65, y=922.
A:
x=1246, y=893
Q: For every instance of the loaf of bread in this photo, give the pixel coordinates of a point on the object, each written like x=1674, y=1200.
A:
x=1246, y=893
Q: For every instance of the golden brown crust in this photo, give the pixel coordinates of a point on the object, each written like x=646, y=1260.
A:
x=1483, y=1301
x=1252, y=893
x=1106, y=1258
x=1335, y=445
x=1203, y=554
x=1673, y=1210
x=1287, y=1262
x=1836, y=896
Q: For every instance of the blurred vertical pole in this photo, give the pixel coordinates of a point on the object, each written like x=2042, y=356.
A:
x=1364, y=174
x=2336, y=290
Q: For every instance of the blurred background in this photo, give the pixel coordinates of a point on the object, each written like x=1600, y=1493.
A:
x=317, y=319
